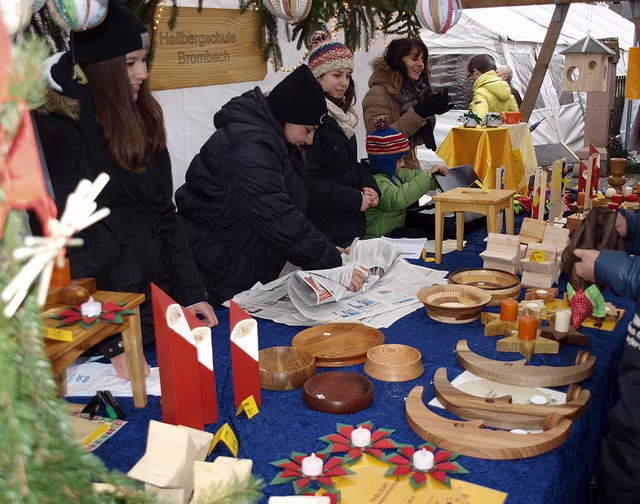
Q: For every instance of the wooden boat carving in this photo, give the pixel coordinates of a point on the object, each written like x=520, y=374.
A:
x=519, y=373
x=500, y=412
x=471, y=439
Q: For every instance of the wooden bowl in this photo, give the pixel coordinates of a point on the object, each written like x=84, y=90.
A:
x=454, y=304
x=500, y=284
x=285, y=368
x=394, y=363
x=339, y=344
x=338, y=392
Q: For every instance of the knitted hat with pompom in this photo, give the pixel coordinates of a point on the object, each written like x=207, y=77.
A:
x=327, y=54
x=385, y=146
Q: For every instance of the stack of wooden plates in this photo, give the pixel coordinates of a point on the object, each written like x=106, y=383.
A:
x=454, y=304
x=394, y=363
x=339, y=344
x=285, y=368
x=500, y=284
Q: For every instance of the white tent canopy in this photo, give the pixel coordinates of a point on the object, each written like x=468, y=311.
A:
x=513, y=35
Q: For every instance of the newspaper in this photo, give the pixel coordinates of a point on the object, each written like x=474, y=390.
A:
x=390, y=294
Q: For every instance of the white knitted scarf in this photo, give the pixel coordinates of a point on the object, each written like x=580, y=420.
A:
x=346, y=120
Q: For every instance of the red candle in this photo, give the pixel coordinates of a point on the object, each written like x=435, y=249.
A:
x=614, y=206
x=632, y=198
x=509, y=310
x=638, y=188
x=580, y=201
x=60, y=276
x=527, y=327
x=617, y=198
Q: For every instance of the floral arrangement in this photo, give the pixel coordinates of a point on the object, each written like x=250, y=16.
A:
x=468, y=117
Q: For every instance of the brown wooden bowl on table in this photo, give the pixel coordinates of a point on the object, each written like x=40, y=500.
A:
x=500, y=284
x=454, y=304
x=338, y=392
x=394, y=363
x=285, y=367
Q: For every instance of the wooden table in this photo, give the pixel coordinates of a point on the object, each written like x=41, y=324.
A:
x=489, y=148
x=463, y=199
x=63, y=353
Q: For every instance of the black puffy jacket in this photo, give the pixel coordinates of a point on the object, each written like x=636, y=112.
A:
x=244, y=202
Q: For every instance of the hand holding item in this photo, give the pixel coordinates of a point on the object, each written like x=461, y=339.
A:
x=122, y=366
x=373, y=195
x=435, y=104
x=587, y=265
x=358, y=278
x=442, y=169
x=204, y=309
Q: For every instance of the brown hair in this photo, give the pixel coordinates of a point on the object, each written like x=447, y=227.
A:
x=401, y=47
x=481, y=62
x=132, y=129
x=349, y=98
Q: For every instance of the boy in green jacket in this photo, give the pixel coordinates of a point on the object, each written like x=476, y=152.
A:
x=399, y=186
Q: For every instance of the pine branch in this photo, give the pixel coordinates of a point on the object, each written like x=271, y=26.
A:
x=234, y=492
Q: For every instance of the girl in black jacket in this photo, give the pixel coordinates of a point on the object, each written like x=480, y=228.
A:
x=104, y=119
x=341, y=189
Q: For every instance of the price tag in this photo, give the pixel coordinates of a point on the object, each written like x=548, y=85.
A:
x=249, y=406
x=482, y=186
x=537, y=256
x=58, y=334
x=228, y=437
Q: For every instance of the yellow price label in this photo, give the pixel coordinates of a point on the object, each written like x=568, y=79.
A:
x=249, y=406
x=482, y=186
x=228, y=437
x=537, y=256
x=58, y=334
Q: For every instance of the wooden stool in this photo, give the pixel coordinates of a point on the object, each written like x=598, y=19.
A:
x=63, y=353
x=465, y=199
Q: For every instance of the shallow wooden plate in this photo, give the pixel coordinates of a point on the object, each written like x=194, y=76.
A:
x=484, y=278
x=338, y=392
x=339, y=344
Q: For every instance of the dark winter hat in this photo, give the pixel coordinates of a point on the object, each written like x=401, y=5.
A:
x=299, y=98
x=327, y=54
x=385, y=146
x=120, y=33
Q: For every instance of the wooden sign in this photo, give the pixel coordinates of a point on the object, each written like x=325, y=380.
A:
x=216, y=46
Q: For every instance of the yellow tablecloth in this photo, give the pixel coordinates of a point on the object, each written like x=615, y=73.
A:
x=489, y=148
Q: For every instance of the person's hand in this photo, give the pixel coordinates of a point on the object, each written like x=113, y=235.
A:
x=586, y=268
x=358, y=278
x=122, y=366
x=372, y=194
x=621, y=225
x=434, y=104
x=426, y=133
x=366, y=202
x=204, y=309
x=343, y=250
x=442, y=169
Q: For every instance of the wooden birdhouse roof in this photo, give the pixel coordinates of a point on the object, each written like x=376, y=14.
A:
x=588, y=45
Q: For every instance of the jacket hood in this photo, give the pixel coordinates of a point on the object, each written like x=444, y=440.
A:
x=384, y=75
x=250, y=109
x=494, y=84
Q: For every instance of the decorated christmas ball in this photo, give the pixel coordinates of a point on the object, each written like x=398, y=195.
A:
x=77, y=14
x=609, y=192
x=289, y=10
x=439, y=15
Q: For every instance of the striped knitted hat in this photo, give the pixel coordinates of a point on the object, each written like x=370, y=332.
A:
x=327, y=54
x=385, y=146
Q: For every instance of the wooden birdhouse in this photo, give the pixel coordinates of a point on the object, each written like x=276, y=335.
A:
x=586, y=65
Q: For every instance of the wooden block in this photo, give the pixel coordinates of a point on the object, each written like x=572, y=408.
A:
x=201, y=439
x=76, y=293
x=531, y=230
x=211, y=479
x=167, y=495
x=545, y=295
x=556, y=236
x=540, y=345
x=535, y=279
x=494, y=326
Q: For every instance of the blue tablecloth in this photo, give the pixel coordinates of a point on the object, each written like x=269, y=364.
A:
x=285, y=424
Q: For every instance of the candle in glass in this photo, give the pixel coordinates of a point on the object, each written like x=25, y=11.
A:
x=617, y=198
x=627, y=190
x=312, y=465
x=580, y=201
x=423, y=459
x=563, y=320
x=91, y=308
x=527, y=327
x=61, y=274
x=509, y=310
x=361, y=437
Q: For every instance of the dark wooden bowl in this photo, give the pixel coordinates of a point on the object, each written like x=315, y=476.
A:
x=500, y=284
x=454, y=304
x=285, y=368
x=338, y=392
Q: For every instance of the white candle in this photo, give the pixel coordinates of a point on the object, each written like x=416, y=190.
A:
x=563, y=320
x=423, y=459
x=91, y=308
x=626, y=191
x=361, y=437
x=518, y=431
x=312, y=465
x=542, y=292
x=538, y=399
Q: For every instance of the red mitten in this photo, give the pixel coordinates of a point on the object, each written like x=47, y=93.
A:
x=581, y=308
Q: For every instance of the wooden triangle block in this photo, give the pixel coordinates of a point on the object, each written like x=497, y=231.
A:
x=495, y=326
x=571, y=337
x=540, y=345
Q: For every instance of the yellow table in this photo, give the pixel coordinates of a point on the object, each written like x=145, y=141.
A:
x=489, y=148
x=63, y=353
x=463, y=199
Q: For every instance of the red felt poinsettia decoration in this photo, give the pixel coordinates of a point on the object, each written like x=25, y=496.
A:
x=111, y=312
x=340, y=442
x=302, y=484
x=402, y=464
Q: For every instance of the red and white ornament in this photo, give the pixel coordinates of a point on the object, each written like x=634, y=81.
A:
x=291, y=11
x=438, y=15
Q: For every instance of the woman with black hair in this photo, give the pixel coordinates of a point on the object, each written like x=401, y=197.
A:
x=400, y=88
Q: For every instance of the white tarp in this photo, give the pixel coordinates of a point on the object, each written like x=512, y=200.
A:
x=513, y=35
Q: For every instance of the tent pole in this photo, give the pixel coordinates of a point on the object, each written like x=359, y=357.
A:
x=542, y=63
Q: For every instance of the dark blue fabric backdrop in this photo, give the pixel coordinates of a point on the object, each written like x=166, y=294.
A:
x=285, y=424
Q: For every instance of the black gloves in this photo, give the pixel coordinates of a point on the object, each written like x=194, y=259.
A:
x=427, y=136
x=434, y=104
